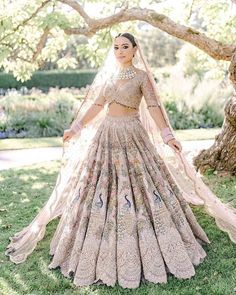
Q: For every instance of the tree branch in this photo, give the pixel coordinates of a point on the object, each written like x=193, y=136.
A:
x=77, y=7
x=41, y=43
x=24, y=22
x=42, y=40
x=215, y=49
x=190, y=10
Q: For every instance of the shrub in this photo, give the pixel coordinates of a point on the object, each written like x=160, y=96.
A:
x=36, y=116
x=39, y=114
x=46, y=79
x=189, y=118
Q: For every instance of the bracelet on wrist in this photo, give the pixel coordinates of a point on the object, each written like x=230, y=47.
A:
x=167, y=139
x=166, y=135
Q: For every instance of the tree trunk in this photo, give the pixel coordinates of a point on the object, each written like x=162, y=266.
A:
x=221, y=156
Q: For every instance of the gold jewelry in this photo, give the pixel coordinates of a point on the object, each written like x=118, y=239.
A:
x=127, y=73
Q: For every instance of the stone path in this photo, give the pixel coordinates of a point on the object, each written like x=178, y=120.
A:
x=24, y=157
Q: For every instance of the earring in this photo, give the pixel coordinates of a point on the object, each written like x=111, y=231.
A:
x=135, y=59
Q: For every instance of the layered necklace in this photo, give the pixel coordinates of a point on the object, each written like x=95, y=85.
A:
x=126, y=73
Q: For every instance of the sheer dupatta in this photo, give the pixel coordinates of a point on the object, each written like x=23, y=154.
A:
x=187, y=178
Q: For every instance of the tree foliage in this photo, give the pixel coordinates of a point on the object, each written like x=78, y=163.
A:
x=36, y=33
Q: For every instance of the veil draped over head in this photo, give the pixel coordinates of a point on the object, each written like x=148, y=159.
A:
x=187, y=178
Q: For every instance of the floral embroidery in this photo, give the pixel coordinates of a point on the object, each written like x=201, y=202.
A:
x=128, y=218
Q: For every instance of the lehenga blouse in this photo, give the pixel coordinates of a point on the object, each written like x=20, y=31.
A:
x=130, y=93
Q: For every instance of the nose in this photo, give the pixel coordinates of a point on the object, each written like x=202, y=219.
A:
x=120, y=51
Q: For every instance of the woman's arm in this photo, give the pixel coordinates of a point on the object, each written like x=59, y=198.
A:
x=155, y=111
x=152, y=103
x=90, y=114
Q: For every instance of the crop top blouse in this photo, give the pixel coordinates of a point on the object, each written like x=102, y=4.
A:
x=130, y=93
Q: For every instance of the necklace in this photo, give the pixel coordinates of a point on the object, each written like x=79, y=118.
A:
x=127, y=73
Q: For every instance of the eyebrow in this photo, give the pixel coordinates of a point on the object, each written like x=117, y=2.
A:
x=121, y=44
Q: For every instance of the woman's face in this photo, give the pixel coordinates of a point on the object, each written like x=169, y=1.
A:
x=123, y=50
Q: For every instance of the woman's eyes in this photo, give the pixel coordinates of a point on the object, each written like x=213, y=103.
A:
x=125, y=47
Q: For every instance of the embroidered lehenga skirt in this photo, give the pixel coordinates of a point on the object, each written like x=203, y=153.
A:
x=127, y=221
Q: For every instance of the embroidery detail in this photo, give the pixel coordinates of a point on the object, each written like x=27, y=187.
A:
x=128, y=203
x=148, y=92
x=99, y=203
x=157, y=198
x=129, y=94
x=122, y=104
x=98, y=104
x=144, y=229
x=154, y=105
x=78, y=195
x=171, y=195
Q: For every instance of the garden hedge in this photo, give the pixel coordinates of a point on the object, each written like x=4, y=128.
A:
x=46, y=79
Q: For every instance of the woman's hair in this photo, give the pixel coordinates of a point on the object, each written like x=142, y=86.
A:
x=128, y=36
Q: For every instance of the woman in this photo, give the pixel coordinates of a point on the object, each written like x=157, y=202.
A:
x=125, y=216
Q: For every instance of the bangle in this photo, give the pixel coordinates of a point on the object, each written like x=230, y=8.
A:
x=76, y=126
x=166, y=135
x=168, y=138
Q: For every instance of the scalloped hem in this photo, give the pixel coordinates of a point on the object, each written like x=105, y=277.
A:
x=126, y=285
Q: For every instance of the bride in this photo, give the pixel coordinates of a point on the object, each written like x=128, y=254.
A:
x=124, y=188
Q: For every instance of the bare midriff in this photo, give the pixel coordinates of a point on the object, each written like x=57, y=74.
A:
x=116, y=109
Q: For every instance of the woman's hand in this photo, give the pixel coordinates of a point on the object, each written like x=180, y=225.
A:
x=67, y=135
x=175, y=145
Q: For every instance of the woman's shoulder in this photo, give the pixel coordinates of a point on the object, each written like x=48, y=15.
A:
x=142, y=74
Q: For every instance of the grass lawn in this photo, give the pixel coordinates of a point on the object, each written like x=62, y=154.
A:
x=27, y=143
x=21, y=143
x=24, y=191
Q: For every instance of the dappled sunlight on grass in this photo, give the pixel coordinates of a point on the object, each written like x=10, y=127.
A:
x=19, y=281
x=26, y=200
x=27, y=177
x=225, y=187
x=6, y=288
x=38, y=185
x=43, y=266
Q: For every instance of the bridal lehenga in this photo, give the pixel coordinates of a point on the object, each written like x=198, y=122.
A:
x=128, y=218
x=125, y=216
